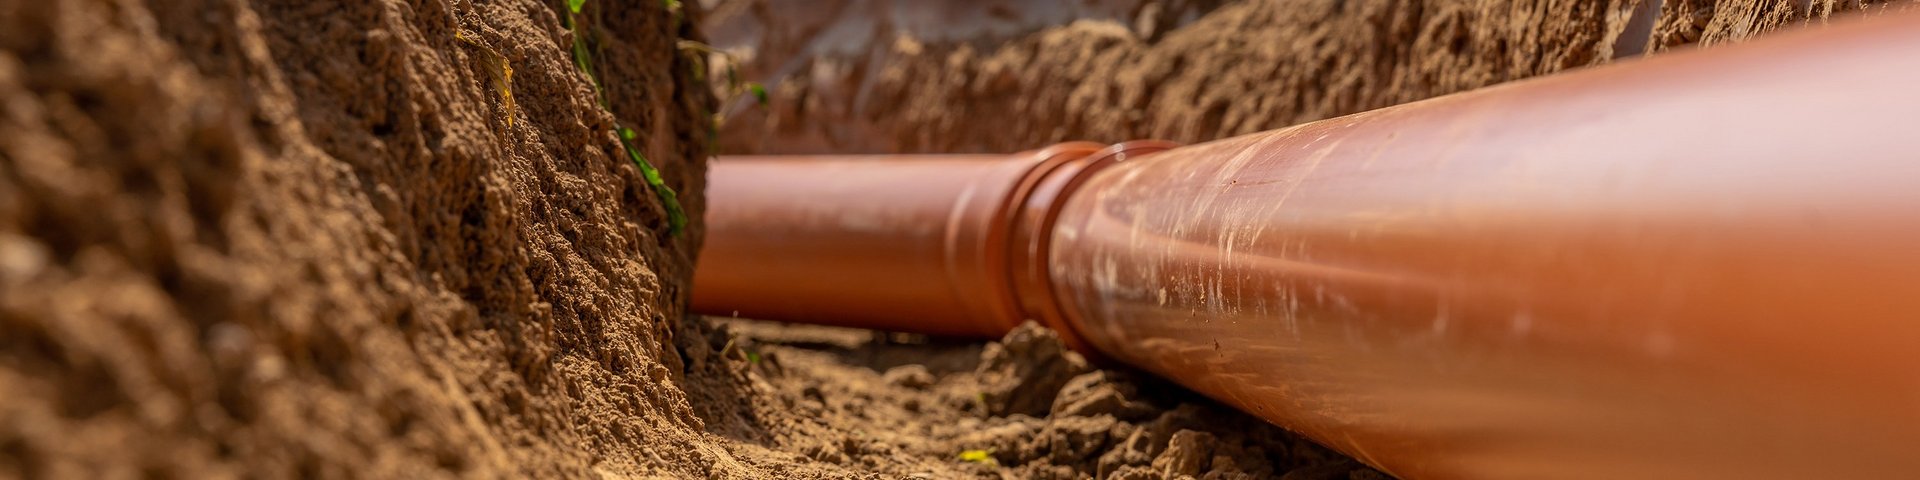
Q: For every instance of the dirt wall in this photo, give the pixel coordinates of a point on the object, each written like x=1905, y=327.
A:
x=330, y=239
x=1175, y=70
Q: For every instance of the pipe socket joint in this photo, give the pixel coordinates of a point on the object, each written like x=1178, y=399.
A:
x=942, y=244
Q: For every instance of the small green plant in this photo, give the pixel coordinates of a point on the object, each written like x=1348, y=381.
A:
x=583, y=58
x=674, y=9
x=759, y=92
x=676, y=216
x=697, y=54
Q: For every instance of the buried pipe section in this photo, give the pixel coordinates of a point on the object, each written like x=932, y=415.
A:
x=1698, y=265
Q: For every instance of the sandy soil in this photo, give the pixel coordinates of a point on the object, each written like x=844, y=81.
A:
x=313, y=238
x=279, y=238
x=906, y=406
x=1173, y=70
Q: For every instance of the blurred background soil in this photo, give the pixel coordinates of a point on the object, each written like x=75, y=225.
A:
x=860, y=76
x=326, y=239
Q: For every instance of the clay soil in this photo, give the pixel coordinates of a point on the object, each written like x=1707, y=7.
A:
x=315, y=238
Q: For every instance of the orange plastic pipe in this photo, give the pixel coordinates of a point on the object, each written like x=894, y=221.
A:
x=921, y=243
x=1699, y=265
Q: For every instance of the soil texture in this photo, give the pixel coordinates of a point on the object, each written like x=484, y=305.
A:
x=1186, y=71
x=330, y=239
x=906, y=406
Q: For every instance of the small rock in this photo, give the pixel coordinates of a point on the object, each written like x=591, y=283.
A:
x=1099, y=393
x=909, y=376
x=1135, y=473
x=1235, y=458
x=1023, y=372
x=1067, y=441
x=827, y=453
x=1187, y=454
x=1130, y=453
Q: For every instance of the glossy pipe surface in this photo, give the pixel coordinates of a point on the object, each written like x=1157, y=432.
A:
x=825, y=240
x=920, y=243
x=1701, y=265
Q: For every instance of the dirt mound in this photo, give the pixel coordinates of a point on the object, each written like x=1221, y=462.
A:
x=342, y=239
x=1023, y=407
x=1177, y=70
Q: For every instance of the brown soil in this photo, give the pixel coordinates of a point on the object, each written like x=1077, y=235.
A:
x=1185, y=71
x=311, y=238
x=905, y=406
x=278, y=238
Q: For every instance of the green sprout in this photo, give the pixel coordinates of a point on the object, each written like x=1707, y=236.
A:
x=583, y=58
x=673, y=8
x=735, y=87
x=696, y=53
x=759, y=92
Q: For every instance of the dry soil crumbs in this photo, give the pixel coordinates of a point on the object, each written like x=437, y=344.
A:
x=1024, y=407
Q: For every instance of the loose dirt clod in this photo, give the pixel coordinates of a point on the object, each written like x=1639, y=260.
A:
x=1023, y=373
x=1186, y=455
x=909, y=376
x=1107, y=392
